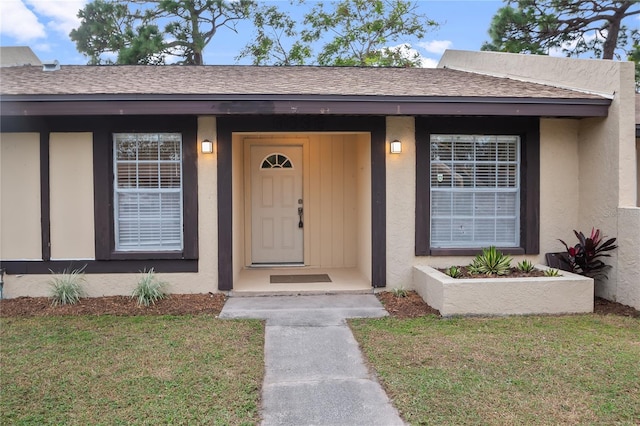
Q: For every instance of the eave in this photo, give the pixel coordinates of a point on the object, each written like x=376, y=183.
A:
x=84, y=105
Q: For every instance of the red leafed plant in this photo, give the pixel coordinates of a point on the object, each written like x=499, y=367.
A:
x=584, y=257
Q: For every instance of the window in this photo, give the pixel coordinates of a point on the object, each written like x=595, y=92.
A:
x=477, y=184
x=475, y=191
x=276, y=161
x=148, y=212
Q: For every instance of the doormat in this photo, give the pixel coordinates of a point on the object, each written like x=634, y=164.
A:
x=300, y=278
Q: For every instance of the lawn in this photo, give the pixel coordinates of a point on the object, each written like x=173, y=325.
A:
x=130, y=370
x=520, y=370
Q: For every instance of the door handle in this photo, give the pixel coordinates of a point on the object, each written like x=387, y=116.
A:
x=300, y=223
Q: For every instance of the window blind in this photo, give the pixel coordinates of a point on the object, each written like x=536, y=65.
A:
x=475, y=191
x=148, y=213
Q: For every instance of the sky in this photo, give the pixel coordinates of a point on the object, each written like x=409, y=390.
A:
x=44, y=25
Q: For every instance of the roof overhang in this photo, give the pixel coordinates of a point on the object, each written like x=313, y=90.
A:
x=71, y=105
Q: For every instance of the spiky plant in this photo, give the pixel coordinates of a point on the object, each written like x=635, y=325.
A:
x=525, y=266
x=491, y=262
x=66, y=288
x=453, y=272
x=551, y=272
x=149, y=289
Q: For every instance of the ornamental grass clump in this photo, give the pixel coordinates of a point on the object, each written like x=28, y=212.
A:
x=491, y=262
x=66, y=288
x=149, y=289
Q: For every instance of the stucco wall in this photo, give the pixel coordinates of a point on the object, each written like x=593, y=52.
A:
x=607, y=172
x=558, y=205
x=401, y=202
x=204, y=281
x=207, y=278
x=71, y=192
x=559, y=185
x=628, y=290
x=20, y=230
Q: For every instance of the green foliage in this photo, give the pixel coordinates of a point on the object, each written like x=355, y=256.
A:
x=66, y=288
x=149, y=289
x=551, y=272
x=525, y=266
x=490, y=261
x=148, y=32
x=130, y=370
x=571, y=26
x=453, y=272
x=357, y=33
x=584, y=257
x=520, y=370
x=399, y=292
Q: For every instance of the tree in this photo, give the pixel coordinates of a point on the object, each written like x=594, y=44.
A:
x=359, y=34
x=573, y=26
x=131, y=30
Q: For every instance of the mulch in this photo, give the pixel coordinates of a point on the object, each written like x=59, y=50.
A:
x=410, y=306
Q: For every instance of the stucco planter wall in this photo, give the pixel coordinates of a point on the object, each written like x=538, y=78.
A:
x=569, y=293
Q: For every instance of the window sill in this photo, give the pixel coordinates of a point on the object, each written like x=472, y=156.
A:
x=153, y=255
x=471, y=251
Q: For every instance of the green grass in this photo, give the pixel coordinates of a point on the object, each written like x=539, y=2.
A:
x=520, y=370
x=130, y=370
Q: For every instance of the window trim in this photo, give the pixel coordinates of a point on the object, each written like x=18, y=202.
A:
x=140, y=190
x=528, y=128
x=104, y=190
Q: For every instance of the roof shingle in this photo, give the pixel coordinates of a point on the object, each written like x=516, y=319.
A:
x=253, y=80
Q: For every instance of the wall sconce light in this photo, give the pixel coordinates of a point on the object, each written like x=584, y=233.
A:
x=396, y=147
x=207, y=146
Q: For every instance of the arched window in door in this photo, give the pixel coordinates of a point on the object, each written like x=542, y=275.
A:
x=276, y=161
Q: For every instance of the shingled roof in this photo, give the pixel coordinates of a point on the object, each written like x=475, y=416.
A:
x=252, y=83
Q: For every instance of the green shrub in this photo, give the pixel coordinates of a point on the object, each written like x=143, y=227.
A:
x=525, y=266
x=453, y=272
x=149, y=289
x=491, y=261
x=551, y=272
x=66, y=288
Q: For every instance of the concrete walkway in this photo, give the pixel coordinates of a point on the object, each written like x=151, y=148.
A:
x=314, y=371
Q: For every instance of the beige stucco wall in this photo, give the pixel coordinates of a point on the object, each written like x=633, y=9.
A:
x=401, y=203
x=558, y=205
x=607, y=174
x=204, y=281
x=207, y=278
x=20, y=230
x=71, y=192
x=559, y=184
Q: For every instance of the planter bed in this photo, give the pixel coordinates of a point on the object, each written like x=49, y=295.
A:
x=569, y=293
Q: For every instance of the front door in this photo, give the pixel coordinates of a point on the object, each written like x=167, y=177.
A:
x=277, y=215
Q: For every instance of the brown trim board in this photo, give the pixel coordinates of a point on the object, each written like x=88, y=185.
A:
x=18, y=267
x=227, y=125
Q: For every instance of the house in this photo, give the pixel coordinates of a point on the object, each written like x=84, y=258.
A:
x=218, y=177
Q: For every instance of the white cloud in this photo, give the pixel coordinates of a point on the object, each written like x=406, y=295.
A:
x=409, y=52
x=435, y=46
x=60, y=15
x=20, y=23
